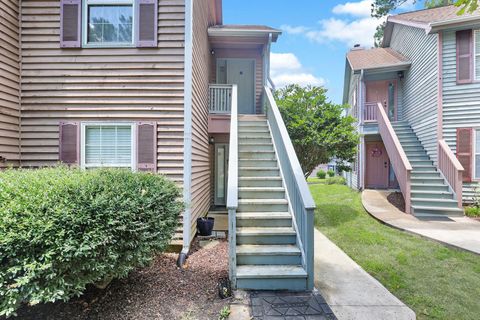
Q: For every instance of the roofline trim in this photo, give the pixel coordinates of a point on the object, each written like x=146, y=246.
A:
x=389, y=66
x=224, y=32
x=420, y=25
x=435, y=26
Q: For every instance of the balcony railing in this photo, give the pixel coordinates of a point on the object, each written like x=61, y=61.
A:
x=451, y=168
x=370, y=112
x=220, y=98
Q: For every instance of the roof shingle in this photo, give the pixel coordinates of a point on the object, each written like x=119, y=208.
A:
x=363, y=59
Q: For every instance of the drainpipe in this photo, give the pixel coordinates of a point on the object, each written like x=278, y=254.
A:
x=362, y=141
x=187, y=129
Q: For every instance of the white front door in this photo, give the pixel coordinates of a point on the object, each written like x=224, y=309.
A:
x=242, y=73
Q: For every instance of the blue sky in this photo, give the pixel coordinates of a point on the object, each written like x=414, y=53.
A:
x=316, y=36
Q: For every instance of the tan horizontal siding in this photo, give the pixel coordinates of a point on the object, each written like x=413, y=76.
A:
x=9, y=83
x=102, y=84
x=201, y=187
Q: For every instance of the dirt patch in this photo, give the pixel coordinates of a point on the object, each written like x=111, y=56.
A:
x=396, y=198
x=161, y=291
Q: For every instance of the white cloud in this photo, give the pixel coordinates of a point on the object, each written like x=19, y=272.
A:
x=285, y=69
x=359, y=9
x=357, y=28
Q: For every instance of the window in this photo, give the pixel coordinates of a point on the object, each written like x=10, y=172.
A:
x=108, y=145
x=477, y=154
x=476, y=50
x=108, y=23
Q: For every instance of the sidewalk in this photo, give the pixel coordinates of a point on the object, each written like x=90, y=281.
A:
x=460, y=232
x=351, y=292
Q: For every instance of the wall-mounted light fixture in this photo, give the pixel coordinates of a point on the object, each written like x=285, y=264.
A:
x=211, y=140
x=212, y=52
x=400, y=74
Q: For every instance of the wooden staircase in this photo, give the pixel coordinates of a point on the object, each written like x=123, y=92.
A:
x=430, y=192
x=267, y=254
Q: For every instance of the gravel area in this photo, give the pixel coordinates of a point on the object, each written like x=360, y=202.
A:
x=160, y=291
x=396, y=198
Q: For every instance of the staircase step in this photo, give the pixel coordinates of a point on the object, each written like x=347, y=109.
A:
x=431, y=194
x=254, y=147
x=416, y=153
x=416, y=180
x=279, y=271
x=266, y=235
x=254, y=123
x=259, y=171
x=262, y=205
x=423, y=174
x=268, y=255
x=262, y=155
x=257, y=163
x=260, y=182
x=424, y=168
x=271, y=277
x=421, y=211
x=429, y=187
x=253, y=139
x=429, y=202
x=264, y=219
x=416, y=162
x=261, y=193
x=421, y=158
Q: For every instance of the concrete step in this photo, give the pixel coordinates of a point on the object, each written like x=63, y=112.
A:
x=420, y=211
x=439, y=186
x=271, y=277
x=258, y=171
x=429, y=194
x=266, y=235
x=260, y=155
x=260, y=182
x=264, y=219
x=262, y=205
x=261, y=193
x=259, y=163
x=268, y=255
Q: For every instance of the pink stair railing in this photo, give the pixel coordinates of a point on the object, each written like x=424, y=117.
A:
x=398, y=158
x=451, y=169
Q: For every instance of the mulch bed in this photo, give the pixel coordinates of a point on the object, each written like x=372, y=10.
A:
x=396, y=198
x=160, y=291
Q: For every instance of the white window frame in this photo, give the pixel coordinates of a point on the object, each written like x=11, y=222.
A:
x=475, y=53
x=85, y=43
x=133, y=133
x=474, y=154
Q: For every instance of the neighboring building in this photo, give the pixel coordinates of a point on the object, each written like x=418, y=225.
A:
x=417, y=101
x=150, y=85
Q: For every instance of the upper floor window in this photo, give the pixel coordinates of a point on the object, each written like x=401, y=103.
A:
x=108, y=22
x=476, y=50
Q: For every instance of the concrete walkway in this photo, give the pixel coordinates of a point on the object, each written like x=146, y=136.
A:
x=460, y=232
x=351, y=292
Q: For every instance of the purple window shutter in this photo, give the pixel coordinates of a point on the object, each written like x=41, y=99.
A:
x=147, y=146
x=464, y=56
x=69, y=143
x=146, y=23
x=70, y=23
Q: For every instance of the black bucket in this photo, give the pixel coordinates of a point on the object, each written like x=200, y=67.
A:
x=205, y=226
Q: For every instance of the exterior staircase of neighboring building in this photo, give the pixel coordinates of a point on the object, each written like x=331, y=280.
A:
x=267, y=254
x=430, y=192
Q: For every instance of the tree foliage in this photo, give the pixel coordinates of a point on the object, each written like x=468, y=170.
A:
x=319, y=129
x=382, y=8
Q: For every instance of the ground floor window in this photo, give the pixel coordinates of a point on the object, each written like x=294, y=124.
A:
x=477, y=154
x=107, y=145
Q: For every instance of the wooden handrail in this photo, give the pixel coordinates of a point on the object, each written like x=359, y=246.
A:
x=220, y=98
x=451, y=169
x=398, y=158
x=370, y=112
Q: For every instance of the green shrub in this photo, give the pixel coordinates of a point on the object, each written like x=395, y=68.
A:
x=61, y=229
x=336, y=180
x=321, y=174
x=472, y=211
x=331, y=173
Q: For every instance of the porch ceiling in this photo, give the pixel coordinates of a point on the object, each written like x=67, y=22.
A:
x=241, y=36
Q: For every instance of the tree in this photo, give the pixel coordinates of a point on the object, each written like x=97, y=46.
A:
x=381, y=8
x=319, y=129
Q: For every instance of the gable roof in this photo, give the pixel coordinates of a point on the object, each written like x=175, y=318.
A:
x=376, y=58
x=434, y=19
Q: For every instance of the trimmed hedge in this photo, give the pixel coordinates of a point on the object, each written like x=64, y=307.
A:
x=61, y=229
x=336, y=180
x=331, y=173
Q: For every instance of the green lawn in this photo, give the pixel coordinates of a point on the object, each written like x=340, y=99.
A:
x=437, y=282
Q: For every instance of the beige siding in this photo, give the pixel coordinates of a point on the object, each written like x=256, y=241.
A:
x=9, y=82
x=254, y=54
x=101, y=84
x=201, y=171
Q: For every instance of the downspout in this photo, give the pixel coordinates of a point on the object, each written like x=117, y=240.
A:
x=266, y=69
x=268, y=63
x=362, y=141
x=187, y=129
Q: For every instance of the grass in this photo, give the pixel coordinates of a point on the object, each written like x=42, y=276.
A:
x=315, y=180
x=436, y=281
x=473, y=212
